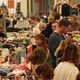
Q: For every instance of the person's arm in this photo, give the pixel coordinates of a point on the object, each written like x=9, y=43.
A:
x=57, y=51
x=60, y=48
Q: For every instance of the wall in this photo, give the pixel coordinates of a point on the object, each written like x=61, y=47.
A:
x=37, y=6
x=33, y=7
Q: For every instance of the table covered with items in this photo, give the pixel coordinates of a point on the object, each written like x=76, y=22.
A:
x=14, y=53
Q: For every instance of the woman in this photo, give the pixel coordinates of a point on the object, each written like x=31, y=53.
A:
x=66, y=70
x=41, y=41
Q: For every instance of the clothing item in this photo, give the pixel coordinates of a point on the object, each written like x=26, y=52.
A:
x=20, y=67
x=65, y=71
x=48, y=31
x=4, y=71
x=54, y=41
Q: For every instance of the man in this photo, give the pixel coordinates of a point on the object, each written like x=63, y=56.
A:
x=56, y=37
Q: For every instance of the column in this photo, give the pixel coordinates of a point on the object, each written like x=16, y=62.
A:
x=23, y=7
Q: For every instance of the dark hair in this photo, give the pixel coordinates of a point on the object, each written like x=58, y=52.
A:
x=37, y=19
x=64, y=22
x=56, y=16
x=47, y=40
x=45, y=70
x=43, y=39
x=38, y=56
x=70, y=54
x=32, y=17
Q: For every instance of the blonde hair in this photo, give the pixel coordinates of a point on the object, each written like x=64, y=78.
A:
x=50, y=17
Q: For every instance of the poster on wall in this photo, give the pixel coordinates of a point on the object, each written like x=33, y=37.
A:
x=10, y=3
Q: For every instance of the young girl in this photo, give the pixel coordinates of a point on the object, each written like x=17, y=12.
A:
x=41, y=41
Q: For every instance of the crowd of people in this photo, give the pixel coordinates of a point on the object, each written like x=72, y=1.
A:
x=55, y=55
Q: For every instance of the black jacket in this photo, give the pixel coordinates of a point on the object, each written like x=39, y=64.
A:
x=48, y=31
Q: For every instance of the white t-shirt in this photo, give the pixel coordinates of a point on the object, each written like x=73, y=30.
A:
x=65, y=71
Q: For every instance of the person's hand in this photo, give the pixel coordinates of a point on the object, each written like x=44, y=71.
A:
x=60, y=47
x=68, y=40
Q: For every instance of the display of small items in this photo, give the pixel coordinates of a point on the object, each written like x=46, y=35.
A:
x=75, y=36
